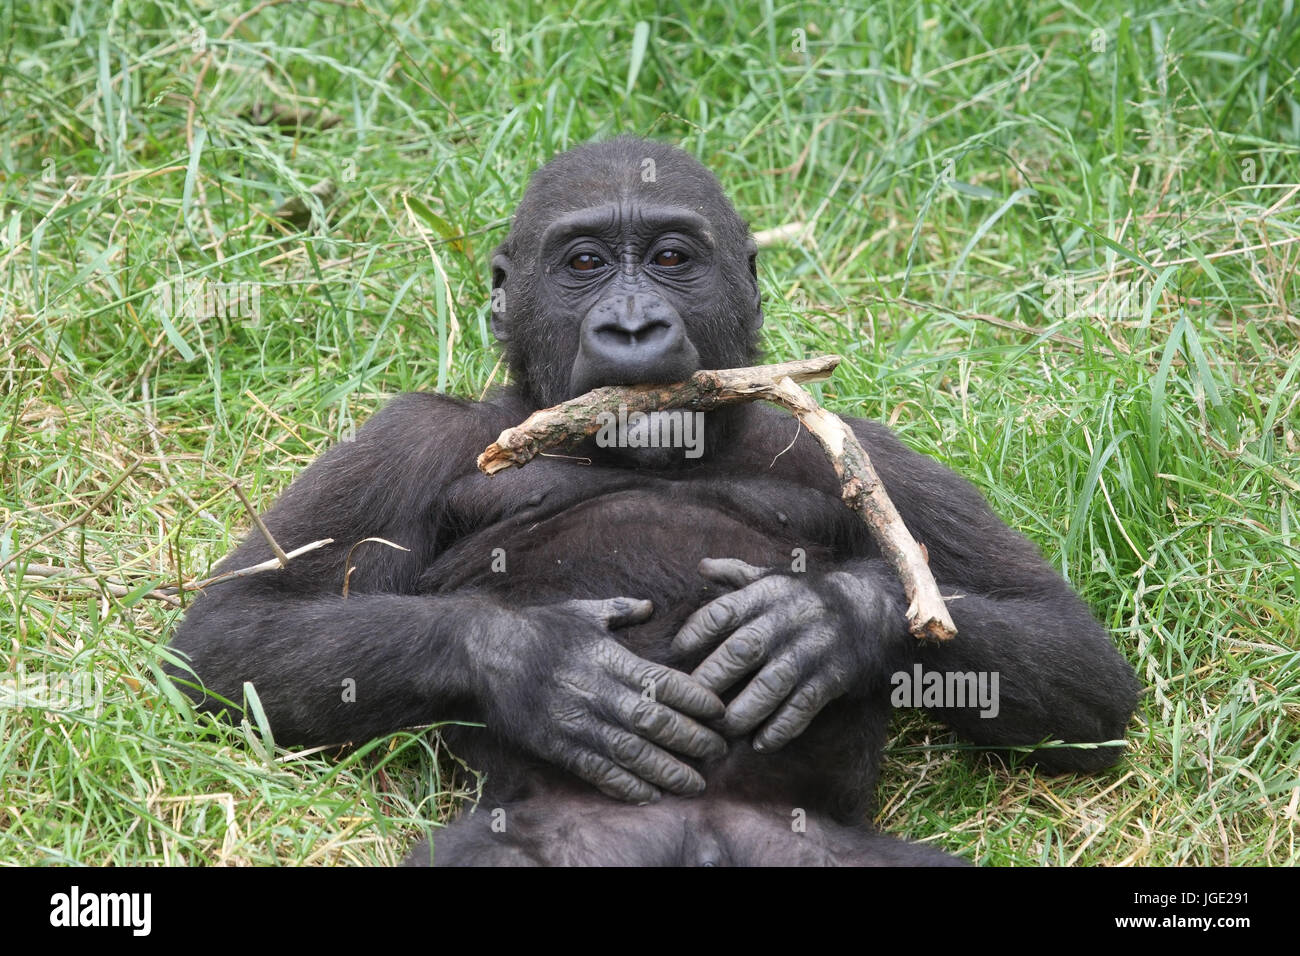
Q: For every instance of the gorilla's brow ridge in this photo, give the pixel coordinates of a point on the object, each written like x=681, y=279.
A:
x=611, y=218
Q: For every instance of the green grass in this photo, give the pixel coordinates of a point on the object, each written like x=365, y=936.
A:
x=960, y=167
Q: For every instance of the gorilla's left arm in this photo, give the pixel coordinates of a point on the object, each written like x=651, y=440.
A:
x=808, y=639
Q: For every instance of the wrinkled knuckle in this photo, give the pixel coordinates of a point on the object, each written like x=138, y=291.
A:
x=651, y=677
x=804, y=700
x=745, y=649
x=782, y=675
x=680, y=780
x=609, y=776
x=648, y=717
x=718, y=615
x=628, y=748
x=589, y=766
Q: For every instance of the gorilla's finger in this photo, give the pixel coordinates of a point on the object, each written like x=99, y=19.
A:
x=609, y=778
x=730, y=572
x=716, y=619
x=739, y=655
x=652, y=764
x=668, y=686
x=793, y=719
x=760, y=698
x=664, y=726
x=615, y=612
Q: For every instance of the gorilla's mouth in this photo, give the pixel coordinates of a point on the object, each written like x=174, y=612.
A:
x=618, y=337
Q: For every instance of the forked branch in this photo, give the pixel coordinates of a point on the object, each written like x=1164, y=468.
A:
x=860, y=487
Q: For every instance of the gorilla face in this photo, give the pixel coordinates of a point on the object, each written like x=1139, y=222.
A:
x=623, y=272
x=625, y=264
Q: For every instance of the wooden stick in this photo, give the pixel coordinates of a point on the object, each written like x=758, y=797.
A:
x=66, y=576
x=270, y=564
x=169, y=594
x=863, y=491
x=576, y=419
x=257, y=520
x=860, y=487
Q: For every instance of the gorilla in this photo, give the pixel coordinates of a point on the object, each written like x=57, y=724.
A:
x=675, y=659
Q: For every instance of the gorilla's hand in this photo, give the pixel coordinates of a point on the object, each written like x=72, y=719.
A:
x=805, y=639
x=588, y=704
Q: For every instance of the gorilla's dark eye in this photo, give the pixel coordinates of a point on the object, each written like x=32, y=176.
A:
x=586, y=262
x=670, y=257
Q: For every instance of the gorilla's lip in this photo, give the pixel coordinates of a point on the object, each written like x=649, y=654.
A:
x=616, y=335
x=615, y=380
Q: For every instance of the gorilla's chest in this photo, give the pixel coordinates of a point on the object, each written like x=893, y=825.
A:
x=556, y=530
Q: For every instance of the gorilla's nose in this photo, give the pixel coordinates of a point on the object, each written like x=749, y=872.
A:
x=637, y=321
x=634, y=338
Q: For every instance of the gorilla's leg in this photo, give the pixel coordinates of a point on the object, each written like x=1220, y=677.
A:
x=591, y=830
x=560, y=830
x=748, y=835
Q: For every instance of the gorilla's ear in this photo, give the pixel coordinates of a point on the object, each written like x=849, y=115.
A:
x=751, y=253
x=501, y=267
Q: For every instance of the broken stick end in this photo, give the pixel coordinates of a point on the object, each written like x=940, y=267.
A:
x=932, y=630
x=492, y=460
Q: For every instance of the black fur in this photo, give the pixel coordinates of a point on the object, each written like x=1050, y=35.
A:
x=437, y=632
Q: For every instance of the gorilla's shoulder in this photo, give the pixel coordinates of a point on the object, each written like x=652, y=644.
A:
x=444, y=433
x=448, y=416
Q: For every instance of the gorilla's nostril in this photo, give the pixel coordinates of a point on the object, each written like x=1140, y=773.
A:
x=624, y=340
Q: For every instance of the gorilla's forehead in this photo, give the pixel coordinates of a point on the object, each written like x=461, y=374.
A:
x=633, y=176
x=620, y=169
x=628, y=218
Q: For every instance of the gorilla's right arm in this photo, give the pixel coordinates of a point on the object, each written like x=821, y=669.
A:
x=330, y=669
